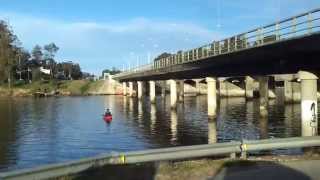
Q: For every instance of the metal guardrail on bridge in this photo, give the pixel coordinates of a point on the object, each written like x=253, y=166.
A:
x=175, y=153
x=293, y=27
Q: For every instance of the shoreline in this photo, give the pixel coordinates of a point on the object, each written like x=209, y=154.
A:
x=58, y=89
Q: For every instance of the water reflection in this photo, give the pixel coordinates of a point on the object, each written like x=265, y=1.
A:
x=41, y=131
x=140, y=113
x=153, y=117
x=173, y=126
x=130, y=109
x=263, y=126
x=212, y=131
x=124, y=102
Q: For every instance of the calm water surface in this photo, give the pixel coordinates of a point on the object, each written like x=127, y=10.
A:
x=41, y=131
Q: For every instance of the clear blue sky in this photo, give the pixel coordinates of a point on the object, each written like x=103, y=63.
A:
x=101, y=34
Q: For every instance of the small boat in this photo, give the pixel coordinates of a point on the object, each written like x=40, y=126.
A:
x=107, y=118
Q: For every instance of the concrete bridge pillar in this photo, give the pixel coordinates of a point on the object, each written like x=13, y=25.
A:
x=288, y=92
x=173, y=94
x=309, y=107
x=140, y=89
x=124, y=88
x=212, y=97
x=249, y=87
x=292, y=92
x=152, y=91
x=163, y=88
x=131, y=89
x=181, y=91
x=198, y=88
x=223, y=89
x=264, y=95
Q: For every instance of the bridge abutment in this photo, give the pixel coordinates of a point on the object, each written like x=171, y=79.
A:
x=173, y=94
x=264, y=95
x=309, y=109
x=152, y=91
x=212, y=97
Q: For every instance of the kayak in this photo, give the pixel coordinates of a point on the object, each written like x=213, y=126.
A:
x=107, y=118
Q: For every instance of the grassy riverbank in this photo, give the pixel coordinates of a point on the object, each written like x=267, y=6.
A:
x=63, y=88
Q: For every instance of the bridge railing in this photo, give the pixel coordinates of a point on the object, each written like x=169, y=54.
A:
x=142, y=68
x=68, y=170
x=300, y=25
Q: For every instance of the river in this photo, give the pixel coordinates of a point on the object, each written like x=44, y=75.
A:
x=57, y=129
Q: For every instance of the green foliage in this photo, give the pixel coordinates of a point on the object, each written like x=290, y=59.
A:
x=50, y=50
x=8, y=52
x=15, y=61
x=37, y=53
x=113, y=71
x=19, y=83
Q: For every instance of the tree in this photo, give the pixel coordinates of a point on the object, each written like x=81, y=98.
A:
x=50, y=50
x=8, y=52
x=37, y=53
x=76, y=71
x=113, y=71
x=69, y=70
x=163, y=55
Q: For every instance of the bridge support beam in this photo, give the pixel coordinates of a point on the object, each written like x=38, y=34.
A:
x=181, y=91
x=173, y=94
x=309, y=107
x=152, y=91
x=131, y=89
x=212, y=97
x=124, y=88
x=264, y=95
x=140, y=89
x=249, y=87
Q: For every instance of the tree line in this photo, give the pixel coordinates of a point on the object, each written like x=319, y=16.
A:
x=17, y=64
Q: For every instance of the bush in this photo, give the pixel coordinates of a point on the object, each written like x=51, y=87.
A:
x=19, y=83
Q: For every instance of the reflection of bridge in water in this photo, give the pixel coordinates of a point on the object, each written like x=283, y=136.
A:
x=286, y=47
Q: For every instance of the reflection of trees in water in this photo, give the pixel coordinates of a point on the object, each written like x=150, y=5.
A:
x=41, y=127
x=8, y=134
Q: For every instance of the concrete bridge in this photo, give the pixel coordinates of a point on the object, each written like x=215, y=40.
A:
x=290, y=46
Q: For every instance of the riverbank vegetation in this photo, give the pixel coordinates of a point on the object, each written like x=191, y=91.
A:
x=53, y=88
x=19, y=67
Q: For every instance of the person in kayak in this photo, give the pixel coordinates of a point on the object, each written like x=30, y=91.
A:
x=107, y=113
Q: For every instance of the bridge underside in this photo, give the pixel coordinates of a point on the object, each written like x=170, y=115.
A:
x=282, y=57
